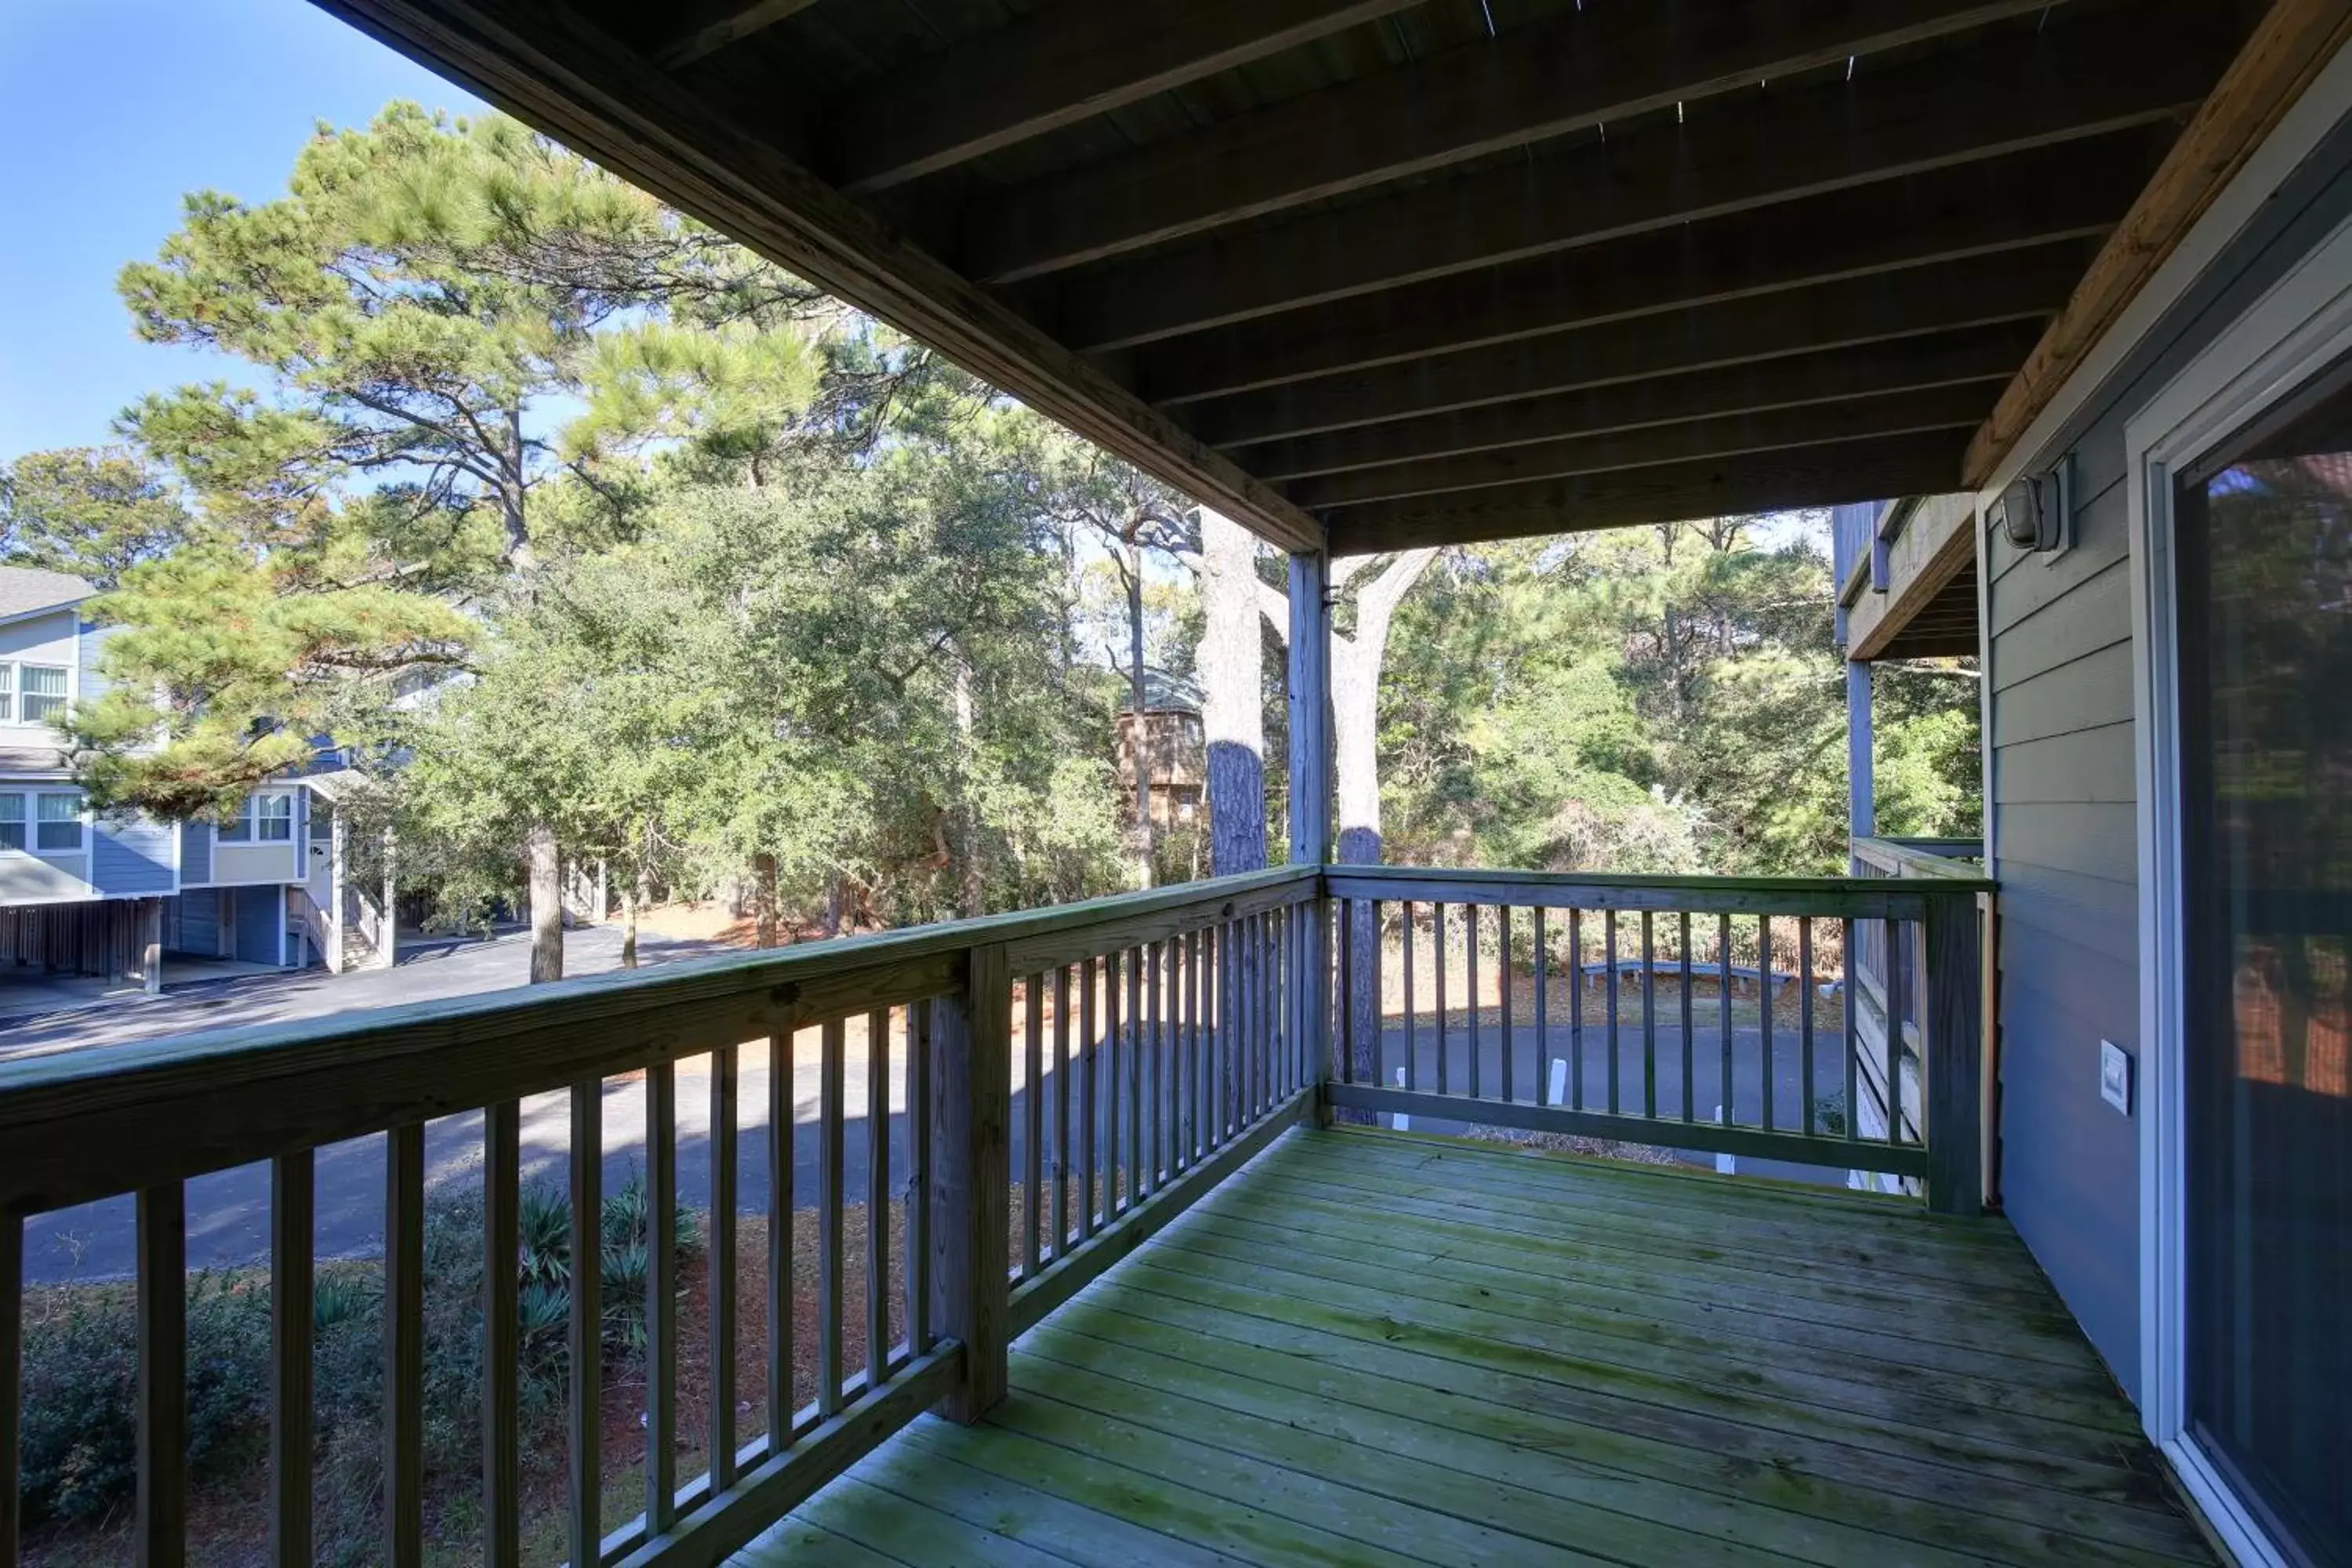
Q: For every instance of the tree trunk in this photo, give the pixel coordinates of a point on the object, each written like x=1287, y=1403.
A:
x=1232, y=707
x=972, y=885
x=628, y=927
x=1141, y=734
x=832, y=904
x=764, y=916
x=546, y=904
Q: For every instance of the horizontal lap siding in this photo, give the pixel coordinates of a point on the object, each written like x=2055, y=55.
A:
x=132, y=857
x=2066, y=827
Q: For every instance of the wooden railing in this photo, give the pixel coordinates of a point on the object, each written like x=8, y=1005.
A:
x=1068, y=1080
x=1193, y=1069
x=1632, y=1032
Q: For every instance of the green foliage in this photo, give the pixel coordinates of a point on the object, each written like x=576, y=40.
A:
x=92, y=511
x=1649, y=700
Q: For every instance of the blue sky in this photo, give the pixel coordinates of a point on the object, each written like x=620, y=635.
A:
x=110, y=110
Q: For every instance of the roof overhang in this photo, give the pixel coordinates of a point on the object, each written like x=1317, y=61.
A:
x=1380, y=273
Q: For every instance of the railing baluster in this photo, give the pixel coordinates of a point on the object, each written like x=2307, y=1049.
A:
x=1437, y=946
x=1649, y=1016
x=1723, y=998
x=1374, y=991
x=1893, y=1032
x=972, y=1160
x=292, y=1226
x=877, y=1196
x=1805, y=1006
x=1609, y=980
x=1846, y=986
x=1158, y=987
x=1412, y=1020
x=781, y=1050
x=1502, y=974
x=1348, y=991
x=661, y=1296
x=404, y=1345
x=584, y=1529
x=1032, y=1122
x=162, y=1310
x=1086, y=1096
x=1690, y=1090
x=1114, y=1046
x=920, y=1017
x=502, y=1337
x=1470, y=985
x=1766, y=1051
x=12, y=1384
x=1196, y=956
x=1061, y=1110
x=830, y=1309
x=1132, y=1087
x=1575, y=1012
x=1543, y=1019
x=720, y=1258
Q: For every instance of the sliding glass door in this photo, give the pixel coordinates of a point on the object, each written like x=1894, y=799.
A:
x=2264, y=616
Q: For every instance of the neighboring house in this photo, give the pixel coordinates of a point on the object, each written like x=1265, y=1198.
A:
x=111, y=894
x=1175, y=752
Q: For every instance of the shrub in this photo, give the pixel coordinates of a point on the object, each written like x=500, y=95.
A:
x=80, y=1369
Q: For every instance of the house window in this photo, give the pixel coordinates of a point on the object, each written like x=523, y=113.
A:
x=56, y=824
x=266, y=818
x=12, y=822
x=31, y=693
x=41, y=692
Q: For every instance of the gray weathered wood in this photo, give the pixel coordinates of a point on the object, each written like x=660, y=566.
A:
x=918, y=1176
x=292, y=1220
x=971, y=1050
x=720, y=1285
x=877, y=1196
x=1829, y=896
x=781, y=1120
x=1032, y=1122
x=404, y=1345
x=830, y=1131
x=586, y=1412
x=661, y=1296
x=1953, y=1028
x=12, y=1377
x=501, y=1335
x=163, y=1487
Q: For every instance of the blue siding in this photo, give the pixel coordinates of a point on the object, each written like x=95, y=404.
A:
x=192, y=924
x=196, y=852
x=133, y=855
x=91, y=639
x=260, y=915
x=2063, y=815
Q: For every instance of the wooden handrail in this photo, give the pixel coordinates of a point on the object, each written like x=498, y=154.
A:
x=1938, y=857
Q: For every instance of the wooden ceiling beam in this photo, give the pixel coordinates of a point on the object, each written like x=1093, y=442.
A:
x=555, y=71
x=1956, y=409
x=2027, y=286
x=1531, y=83
x=1981, y=210
x=729, y=22
x=1060, y=65
x=2291, y=44
x=1969, y=357
x=2005, y=94
x=1675, y=492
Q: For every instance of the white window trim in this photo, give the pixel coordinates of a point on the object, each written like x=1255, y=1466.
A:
x=12, y=687
x=2300, y=326
x=23, y=793
x=81, y=820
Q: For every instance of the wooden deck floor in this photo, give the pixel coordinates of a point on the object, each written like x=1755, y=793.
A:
x=1372, y=1348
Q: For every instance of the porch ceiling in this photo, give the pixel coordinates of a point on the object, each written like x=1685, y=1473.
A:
x=1397, y=271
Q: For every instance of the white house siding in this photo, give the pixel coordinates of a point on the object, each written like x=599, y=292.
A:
x=2065, y=826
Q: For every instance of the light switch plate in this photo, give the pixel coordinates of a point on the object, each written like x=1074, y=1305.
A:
x=2116, y=1076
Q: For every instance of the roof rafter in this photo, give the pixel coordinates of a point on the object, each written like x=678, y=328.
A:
x=728, y=23
x=1671, y=492
x=1951, y=409
x=2004, y=95
x=1066, y=63
x=1979, y=209
x=2028, y=285
x=1970, y=356
x=1530, y=84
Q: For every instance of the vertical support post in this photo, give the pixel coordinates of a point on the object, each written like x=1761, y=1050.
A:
x=1311, y=799
x=151, y=945
x=1861, y=798
x=972, y=1052
x=1953, y=1046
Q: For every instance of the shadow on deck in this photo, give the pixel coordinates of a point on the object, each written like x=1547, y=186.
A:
x=1374, y=1347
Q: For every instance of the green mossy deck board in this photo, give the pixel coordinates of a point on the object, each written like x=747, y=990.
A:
x=1384, y=1350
